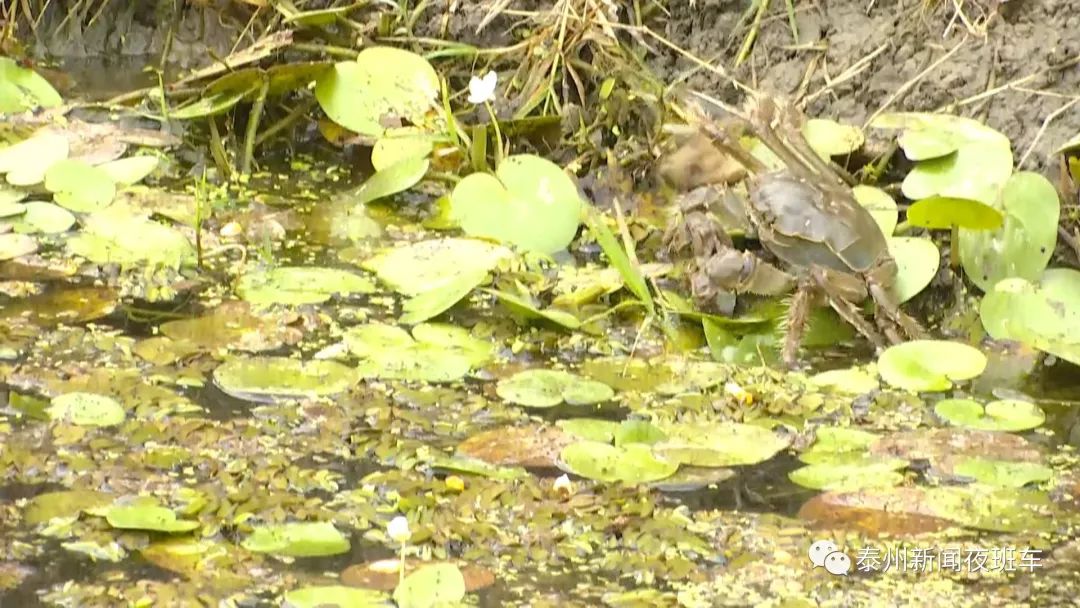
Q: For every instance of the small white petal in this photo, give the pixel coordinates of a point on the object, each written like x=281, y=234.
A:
x=562, y=483
x=482, y=90
x=398, y=530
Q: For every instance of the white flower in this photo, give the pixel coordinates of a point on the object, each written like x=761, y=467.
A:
x=398, y=530
x=739, y=393
x=482, y=90
x=562, y=486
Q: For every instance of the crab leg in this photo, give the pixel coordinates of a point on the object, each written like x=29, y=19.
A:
x=846, y=309
x=798, y=315
x=886, y=303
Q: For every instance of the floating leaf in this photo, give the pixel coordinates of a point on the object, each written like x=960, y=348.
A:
x=943, y=212
x=669, y=376
x=334, y=596
x=830, y=138
x=1044, y=316
x=147, y=517
x=1002, y=415
x=930, y=365
x=297, y=285
x=530, y=202
x=433, y=353
x=360, y=95
x=86, y=409
x=384, y=574
x=430, y=587
x=129, y=171
x=548, y=388
x=525, y=446
x=853, y=381
x=266, y=379
x=117, y=237
x=867, y=473
x=16, y=245
x=880, y=205
x=23, y=89
x=390, y=180
x=68, y=503
x=46, y=218
x=593, y=429
x=432, y=264
x=1022, y=247
x=719, y=444
x=298, y=539
x=397, y=145
x=633, y=463
x=80, y=187
x=527, y=310
x=917, y=261
x=1003, y=473
x=435, y=301
x=26, y=162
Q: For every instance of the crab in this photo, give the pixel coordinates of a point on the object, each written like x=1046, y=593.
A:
x=829, y=246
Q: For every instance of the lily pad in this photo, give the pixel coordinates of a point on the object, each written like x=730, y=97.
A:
x=131, y=170
x=431, y=586
x=80, y=187
x=633, y=463
x=852, y=381
x=266, y=379
x=45, y=218
x=433, y=264
x=719, y=444
x=548, y=388
x=297, y=285
x=26, y=162
x=1044, y=316
x=862, y=474
x=593, y=429
x=917, y=261
x=930, y=365
x=118, y=237
x=335, y=596
x=525, y=309
x=1003, y=473
x=23, y=89
x=530, y=202
x=298, y=539
x=400, y=144
x=433, y=353
x=361, y=95
x=1002, y=415
x=86, y=409
x=880, y=205
x=390, y=180
x=68, y=503
x=148, y=517
x=1022, y=247
x=944, y=212
x=830, y=138
x=16, y=245
x=669, y=376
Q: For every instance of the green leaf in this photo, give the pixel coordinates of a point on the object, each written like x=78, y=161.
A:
x=530, y=202
x=917, y=261
x=86, y=409
x=433, y=353
x=115, y=236
x=1002, y=415
x=395, y=178
x=80, y=187
x=930, y=365
x=944, y=212
x=266, y=379
x=359, y=95
x=299, y=539
x=129, y=171
x=27, y=161
x=428, y=265
x=1044, y=316
x=541, y=388
x=868, y=473
x=147, y=517
x=45, y=218
x=16, y=245
x=334, y=596
x=23, y=89
x=1003, y=473
x=852, y=381
x=880, y=205
x=297, y=285
x=632, y=463
x=525, y=309
x=431, y=586
x=398, y=145
x=630, y=273
x=442, y=297
x=829, y=138
x=719, y=444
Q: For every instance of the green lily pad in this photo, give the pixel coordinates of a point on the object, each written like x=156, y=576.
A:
x=530, y=202
x=129, y=171
x=719, y=444
x=119, y=237
x=334, y=596
x=390, y=180
x=1022, y=247
x=297, y=285
x=23, y=89
x=917, y=261
x=298, y=539
x=930, y=365
x=592, y=429
x=398, y=145
x=433, y=302
x=433, y=353
x=668, y=376
x=1044, y=316
x=638, y=431
x=16, y=245
x=46, y=218
x=632, y=463
x=839, y=445
x=1002, y=415
x=1003, y=473
x=27, y=161
x=830, y=138
x=68, y=503
x=360, y=95
x=9, y=196
x=525, y=309
x=430, y=265
x=267, y=379
x=867, y=473
x=880, y=205
x=548, y=388
x=852, y=381
x=80, y=187
x=431, y=586
x=86, y=409
x=147, y=517
x=943, y=212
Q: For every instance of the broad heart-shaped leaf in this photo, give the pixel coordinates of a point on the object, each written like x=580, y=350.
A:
x=829, y=138
x=438, y=300
x=428, y=265
x=299, y=539
x=118, y=237
x=632, y=463
x=400, y=144
x=1022, y=247
x=16, y=245
x=395, y=178
x=1003, y=415
x=334, y=596
x=360, y=95
x=719, y=444
x=548, y=388
x=930, y=365
x=867, y=473
x=86, y=409
x=630, y=273
x=26, y=162
x=46, y=218
x=880, y=205
x=431, y=586
x=1003, y=473
x=530, y=202
x=266, y=379
x=524, y=309
x=944, y=212
x=928, y=136
x=131, y=170
x=296, y=285
x=79, y=186
x=433, y=353
x=1044, y=316
x=23, y=89
x=917, y=260
x=147, y=517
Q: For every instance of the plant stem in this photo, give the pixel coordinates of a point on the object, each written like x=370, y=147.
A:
x=253, y=126
x=498, y=134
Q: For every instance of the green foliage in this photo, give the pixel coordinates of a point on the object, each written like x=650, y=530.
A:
x=930, y=365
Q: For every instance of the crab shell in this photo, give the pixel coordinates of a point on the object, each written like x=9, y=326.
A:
x=800, y=225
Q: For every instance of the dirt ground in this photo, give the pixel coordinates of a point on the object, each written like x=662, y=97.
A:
x=851, y=61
